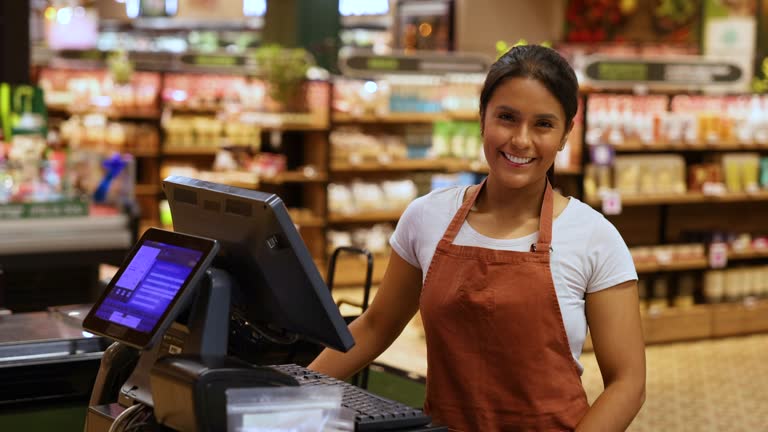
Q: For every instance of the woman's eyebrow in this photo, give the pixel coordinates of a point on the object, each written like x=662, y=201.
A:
x=541, y=116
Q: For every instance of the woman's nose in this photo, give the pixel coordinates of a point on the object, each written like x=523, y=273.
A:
x=520, y=136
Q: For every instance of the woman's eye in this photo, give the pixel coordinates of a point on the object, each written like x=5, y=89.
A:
x=546, y=124
x=505, y=116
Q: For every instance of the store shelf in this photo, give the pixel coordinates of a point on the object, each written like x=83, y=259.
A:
x=309, y=222
x=747, y=254
x=395, y=165
x=695, y=264
x=739, y=318
x=368, y=217
x=295, y=177
x=113, y=114
x=410, y=165
x=459, y=165
x=663, y=148
x=686, y=198
x=190, y=151
x=147, y=189
x=678, y=324
x=389, y=118
x=703, y=322
x=143, y=152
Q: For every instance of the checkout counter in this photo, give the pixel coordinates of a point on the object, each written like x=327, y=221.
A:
x=55, y=261
x=171, y=310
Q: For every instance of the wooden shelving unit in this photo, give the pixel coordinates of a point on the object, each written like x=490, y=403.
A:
x=667, y=148
x=697, y=264
x=388, y=118
x=309, y=222
x=295, y=177
x=686, y=198
x=395, y=165
x=190, y=151
x=112, y=114
x=368, y=217
x=147, y=189
x=747, y=254
x=702, y=322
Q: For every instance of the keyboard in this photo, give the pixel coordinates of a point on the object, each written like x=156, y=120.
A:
x=373, y=413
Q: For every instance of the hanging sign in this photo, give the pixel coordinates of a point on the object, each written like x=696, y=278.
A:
x=362, y=64
x=215, y=60
x=669, y=74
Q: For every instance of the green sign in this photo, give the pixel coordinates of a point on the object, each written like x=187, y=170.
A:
x=43, y=210
x=367, y=65
x=213, y=60
x=622, y=71
x=383, y=63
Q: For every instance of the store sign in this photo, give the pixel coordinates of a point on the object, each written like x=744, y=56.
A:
x=361, y=64
x=214, y=60
x=670, y=74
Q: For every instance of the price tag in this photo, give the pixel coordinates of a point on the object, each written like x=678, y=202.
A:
x=611, y=203
x=355, y=159
x=384, y=158
x=603, y=154
x=718, y=255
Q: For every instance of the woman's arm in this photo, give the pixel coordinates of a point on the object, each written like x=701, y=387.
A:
x=613, y=316
x=395, y=303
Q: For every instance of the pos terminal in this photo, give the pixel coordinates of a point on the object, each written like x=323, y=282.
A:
x=193, y=311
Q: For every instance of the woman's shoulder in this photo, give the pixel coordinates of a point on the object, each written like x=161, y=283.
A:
x=576, y=209
x=441, y=198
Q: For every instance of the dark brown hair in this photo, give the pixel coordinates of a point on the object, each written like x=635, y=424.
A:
x=544, y=65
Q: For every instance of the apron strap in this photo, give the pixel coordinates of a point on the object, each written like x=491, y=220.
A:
x=545, y=221
x=461, y=215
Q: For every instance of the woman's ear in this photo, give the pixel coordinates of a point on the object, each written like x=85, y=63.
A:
x=565, y=135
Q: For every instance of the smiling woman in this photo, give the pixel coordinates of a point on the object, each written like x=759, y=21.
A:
x=506, y=275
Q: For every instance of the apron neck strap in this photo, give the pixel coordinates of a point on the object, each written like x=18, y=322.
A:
x=461, y=215
x=545, y=218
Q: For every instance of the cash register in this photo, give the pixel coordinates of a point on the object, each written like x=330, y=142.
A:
x=219, y=303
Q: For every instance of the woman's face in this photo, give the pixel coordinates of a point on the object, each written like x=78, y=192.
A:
x=524, y=128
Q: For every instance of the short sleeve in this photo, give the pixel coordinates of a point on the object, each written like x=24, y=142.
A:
x=609, y=258
x=404, y=240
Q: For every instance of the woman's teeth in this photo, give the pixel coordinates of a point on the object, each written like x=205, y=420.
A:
x=517, y=160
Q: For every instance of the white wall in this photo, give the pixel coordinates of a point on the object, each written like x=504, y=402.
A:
x=480, y=23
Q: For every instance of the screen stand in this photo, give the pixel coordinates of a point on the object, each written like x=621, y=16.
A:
x=206, y=334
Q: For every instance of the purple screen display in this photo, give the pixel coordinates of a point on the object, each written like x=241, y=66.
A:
x=148, y=285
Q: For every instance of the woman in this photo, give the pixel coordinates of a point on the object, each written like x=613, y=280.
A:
x=506, y=275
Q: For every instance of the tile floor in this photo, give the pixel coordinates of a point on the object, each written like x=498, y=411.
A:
x=714, y=385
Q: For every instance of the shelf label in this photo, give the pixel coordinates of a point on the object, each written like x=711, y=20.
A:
x=612, y=203
x=718, y=255
x=602, y=154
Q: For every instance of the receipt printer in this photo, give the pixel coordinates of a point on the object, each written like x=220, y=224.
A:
x=189, y=392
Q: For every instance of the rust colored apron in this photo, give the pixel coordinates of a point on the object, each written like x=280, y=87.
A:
x=497, y=351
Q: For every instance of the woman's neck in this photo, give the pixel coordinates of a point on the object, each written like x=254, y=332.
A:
x=511, y=204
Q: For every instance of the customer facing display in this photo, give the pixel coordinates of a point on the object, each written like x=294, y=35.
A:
x=150, y=287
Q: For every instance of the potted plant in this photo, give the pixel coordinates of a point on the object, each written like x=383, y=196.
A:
x=284, y=70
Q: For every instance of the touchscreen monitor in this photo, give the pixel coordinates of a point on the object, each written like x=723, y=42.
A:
x=150, y=287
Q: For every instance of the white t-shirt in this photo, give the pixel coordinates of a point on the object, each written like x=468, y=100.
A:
x=588, y=253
